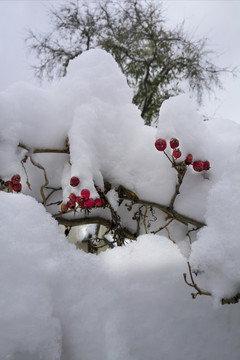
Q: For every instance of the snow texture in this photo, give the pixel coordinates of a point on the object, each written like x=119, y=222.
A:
x=127, y=303
x=131, y=302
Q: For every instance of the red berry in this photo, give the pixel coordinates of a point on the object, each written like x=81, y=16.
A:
x=198, y=166
x=64, y=208
x=17, y=187
x=9, y=185
x=85, y=193
x=176, y=153
x=206, y=165
x=74, y=181
x=89, y=203
x=71, y=204
x=82, y=204
x=160, y=144
x=16, y=179
x=98, y=202
x=79, y=199
x=72, y=197
x=174, y=143
x=189, y=159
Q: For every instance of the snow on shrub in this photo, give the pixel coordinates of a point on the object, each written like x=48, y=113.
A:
x=81, y=149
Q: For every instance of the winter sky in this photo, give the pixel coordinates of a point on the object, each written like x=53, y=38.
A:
x=216, y=20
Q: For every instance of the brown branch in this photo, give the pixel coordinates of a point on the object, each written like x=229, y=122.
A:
x=27, y=180
x=45, y=177
x=44, y=150
x=169, y=236
x=170, y=212
x=188, y=234
x=171, y=161
x=233, y=300
x=137, y=218
x=181, y=170
x=129, y=195
x=194, y=285
x=162, y=228
x=52, y=192
x=118, y=232
x=144, y=219
x=91, y=220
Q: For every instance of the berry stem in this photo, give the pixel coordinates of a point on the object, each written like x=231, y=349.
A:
x=181, y=170
x=171, y=161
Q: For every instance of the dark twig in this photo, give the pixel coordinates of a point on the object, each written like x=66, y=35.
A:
x=91, y=220
x=45, y=177
x=181, y=170
x=162, y=227
x=194, y=285
x=170, y=212
x=44, y=150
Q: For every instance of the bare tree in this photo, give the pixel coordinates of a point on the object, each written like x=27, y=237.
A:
x=156, y=61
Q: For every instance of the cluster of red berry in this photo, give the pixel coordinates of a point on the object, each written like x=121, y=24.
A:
x=161, y=145
x=14, y=184
x=83, y=200
x=198, y=165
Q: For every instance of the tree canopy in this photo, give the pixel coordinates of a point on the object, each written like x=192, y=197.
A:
x=158, y=62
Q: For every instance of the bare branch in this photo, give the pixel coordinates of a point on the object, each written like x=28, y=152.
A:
x=194, y=285
x=91, y=220
x=45, y=177
x=155, y=60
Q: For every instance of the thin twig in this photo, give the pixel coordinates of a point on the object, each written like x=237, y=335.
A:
x=169, y=236
x=45, y=177
x=194, y=285
x=44, y=150
x=163, y=227
x=52, y=192
x=91, y=220
x=144, y=219
x=170, y=212
x=188, y=234
x=22, y=162
x=181, y=170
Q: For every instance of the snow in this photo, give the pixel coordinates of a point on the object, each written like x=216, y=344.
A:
x=131, y=302
x=106, y=132
x=216, y=253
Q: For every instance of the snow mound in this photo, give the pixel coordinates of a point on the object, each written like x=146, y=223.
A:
x=60, y=303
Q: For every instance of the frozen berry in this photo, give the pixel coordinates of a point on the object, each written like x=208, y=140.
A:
x=189, y=159
x=98, y=202
x=17, y=187
x=79, y=199
x=174, y=143
x=85, y=193
x=176, y=153
x=160, y=144
x=71, y=204
x=206, y=165
x=198, y=166
x=72, y=197
x=16, y=179
x=64, y=208
x=89, y=203
x=82, y=204
x=74, y=181
x=9, y=185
